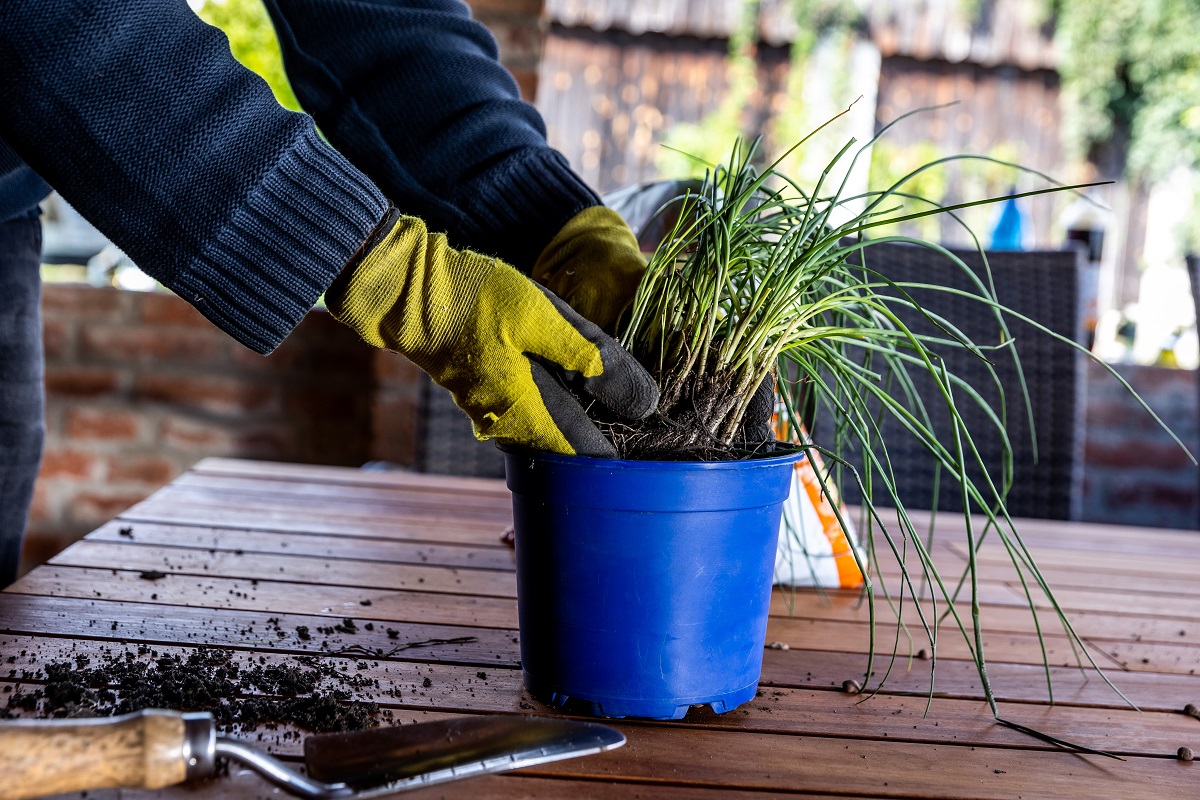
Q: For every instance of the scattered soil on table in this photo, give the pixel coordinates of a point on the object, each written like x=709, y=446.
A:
x=309, y=693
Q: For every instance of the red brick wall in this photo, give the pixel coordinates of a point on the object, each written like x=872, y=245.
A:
x=140, y=386
x=1133, y=472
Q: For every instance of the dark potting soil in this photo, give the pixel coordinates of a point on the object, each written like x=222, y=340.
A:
x=308, y=693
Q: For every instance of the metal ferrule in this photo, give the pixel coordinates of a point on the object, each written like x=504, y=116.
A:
x=199, y=744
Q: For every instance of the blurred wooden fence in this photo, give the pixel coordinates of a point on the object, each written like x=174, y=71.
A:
x=618, y=74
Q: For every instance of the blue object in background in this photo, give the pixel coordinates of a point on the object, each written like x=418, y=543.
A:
x=643, y=587
x=1008, y=234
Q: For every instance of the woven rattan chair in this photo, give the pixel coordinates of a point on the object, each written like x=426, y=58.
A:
x=448, y=447
x=1042, y=286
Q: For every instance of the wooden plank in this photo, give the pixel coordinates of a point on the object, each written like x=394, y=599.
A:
x=1095, y=534
x=807, y=603
x=840, y=636
x=435, y=507
x=272, y=597
x=164, y=625
x=317, y=495
x=799, y=669
x=1011, y=647
x=242, y=784
x=478, y=555
x=845, y=606
x=438, y=511
x=311, y=473
x=1012, y=683
x=1096, y=559
x=826, y=713
x=747, y=760
x=416, y=489
x=827, y=666
x=282, y=597
x=1086, y=535
x=292, y=568
x=1059, y=567
x=442, y=528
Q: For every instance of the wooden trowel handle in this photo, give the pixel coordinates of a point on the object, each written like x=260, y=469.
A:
x=144, y=750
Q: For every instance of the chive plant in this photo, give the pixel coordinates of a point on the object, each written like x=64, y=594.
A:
x=761, y=276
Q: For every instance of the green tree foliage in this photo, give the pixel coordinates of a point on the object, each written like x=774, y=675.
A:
x=1131, y=77
x=253, y=42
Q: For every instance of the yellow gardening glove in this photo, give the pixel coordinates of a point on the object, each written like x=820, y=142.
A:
x=594, y=264
x=501, y=344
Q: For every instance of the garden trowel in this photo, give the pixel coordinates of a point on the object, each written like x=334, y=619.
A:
x=155, y=748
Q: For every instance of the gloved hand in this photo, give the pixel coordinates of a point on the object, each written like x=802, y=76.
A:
x=594, y=264
x=500, y=343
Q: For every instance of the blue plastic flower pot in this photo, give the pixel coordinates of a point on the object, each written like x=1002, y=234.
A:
x=643, y=586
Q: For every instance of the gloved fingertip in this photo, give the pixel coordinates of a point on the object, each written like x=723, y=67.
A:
x=625, y=386
x=578, y=431
x=647, y=398
x=599, y=448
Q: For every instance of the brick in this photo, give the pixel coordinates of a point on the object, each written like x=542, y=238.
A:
x=182, y=433
x=94, y=508
x=57, y=338
x=273, y=442
x=68, y=462
x=529, y=8
x=227, y=396
x=84, y=302
x=527, y=82
x=160, y=308
x=1135, y=452
x=140, y=343
x=519, y=43
x=152, y=470
x=1103, y=411
x=81, y=381
x=112, y=424
x=41, y=510
x=1157, y=494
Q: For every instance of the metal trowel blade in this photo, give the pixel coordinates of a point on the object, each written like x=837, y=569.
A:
x=385, y=760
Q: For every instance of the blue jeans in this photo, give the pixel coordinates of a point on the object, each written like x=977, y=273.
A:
x=22, y=393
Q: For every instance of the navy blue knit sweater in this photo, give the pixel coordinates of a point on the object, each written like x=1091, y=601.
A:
x=137, y=114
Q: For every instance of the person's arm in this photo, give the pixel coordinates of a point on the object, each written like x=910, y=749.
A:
x=137, y=113
x=411, y=91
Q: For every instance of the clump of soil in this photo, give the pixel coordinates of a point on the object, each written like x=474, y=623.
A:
x=308, y=693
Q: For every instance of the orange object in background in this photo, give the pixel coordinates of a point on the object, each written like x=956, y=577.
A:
x=814, y=548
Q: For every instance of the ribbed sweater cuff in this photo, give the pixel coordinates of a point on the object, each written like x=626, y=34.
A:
x=284, y=245
x=521, y=204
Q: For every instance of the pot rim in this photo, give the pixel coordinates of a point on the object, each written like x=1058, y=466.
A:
x=791, y=452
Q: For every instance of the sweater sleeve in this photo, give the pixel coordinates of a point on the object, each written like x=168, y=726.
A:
x=137, y=113
x=411, y=91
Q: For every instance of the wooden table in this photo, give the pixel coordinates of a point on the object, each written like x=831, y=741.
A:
x=242, y=542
